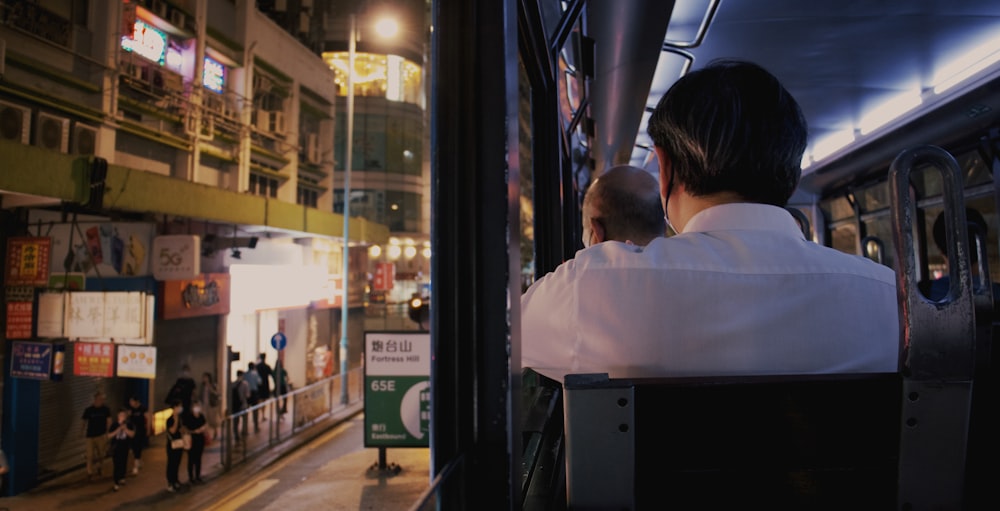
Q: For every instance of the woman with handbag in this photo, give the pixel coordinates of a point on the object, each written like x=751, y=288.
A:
x=175, y=446
x=195, y=424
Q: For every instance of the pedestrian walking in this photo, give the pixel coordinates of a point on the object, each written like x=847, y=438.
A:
x=210, y=402
x=240, y=397
x=139, y=417
x=175, y=447
x=195, y=424
x=183, y=388
x=253, y=383
x=121, y=434
x=266, y=375
x=96, y=422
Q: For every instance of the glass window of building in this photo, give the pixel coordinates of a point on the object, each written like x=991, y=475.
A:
x=386, y=76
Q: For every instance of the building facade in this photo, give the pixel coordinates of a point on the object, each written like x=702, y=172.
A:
x=176, y=157
x=390, y=181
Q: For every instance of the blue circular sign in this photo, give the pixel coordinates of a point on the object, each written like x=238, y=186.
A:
x=279, y=341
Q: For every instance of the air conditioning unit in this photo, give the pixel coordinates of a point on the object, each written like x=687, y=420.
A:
x=15, y=122
x=177, y=18
x=52, y=132
x=312, y=148
x=84, y=139
x=168, y=81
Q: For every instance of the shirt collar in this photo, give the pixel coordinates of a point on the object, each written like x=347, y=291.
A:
x=744, y=216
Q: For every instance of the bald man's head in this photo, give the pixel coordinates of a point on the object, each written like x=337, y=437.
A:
x=623, y=204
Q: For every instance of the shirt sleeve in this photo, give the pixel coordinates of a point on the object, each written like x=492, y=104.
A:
x=548, y=312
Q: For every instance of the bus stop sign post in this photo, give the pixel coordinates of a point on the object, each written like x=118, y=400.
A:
x=397, y=392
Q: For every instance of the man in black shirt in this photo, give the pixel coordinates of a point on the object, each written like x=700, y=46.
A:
x=96, y=421
x=266, y=374
x=139, y=417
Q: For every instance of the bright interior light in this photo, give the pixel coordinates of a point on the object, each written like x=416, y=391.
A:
x=831, y=143
x=426, y=252
x=387, y=28
x=971, y=63
x=888, y=111
x=374, y=251
x=394, y=251
x=410, y=251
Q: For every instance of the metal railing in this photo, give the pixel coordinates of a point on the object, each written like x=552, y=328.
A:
x=268, y=423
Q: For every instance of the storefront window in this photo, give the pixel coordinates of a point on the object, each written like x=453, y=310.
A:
x=385, y=76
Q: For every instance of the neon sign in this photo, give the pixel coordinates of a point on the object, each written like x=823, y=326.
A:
x=214, y=77
x=147, y=41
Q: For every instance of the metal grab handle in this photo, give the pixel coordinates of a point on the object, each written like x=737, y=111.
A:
x=877, y=255
x=938, y=337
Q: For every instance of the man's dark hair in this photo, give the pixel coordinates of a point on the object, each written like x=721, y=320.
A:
x=732, y=127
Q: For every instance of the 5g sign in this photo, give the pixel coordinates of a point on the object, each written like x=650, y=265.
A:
x=176, y=256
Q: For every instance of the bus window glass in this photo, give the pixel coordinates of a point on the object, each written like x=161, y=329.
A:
x=874, y=198
x=975, y=172
x=837, y=208
x=527, y=194
x=926, y=181
x=845, y=238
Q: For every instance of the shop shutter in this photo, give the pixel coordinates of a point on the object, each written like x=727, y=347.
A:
x=61, y=444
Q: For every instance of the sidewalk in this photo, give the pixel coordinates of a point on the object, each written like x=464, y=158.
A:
x=148, y=489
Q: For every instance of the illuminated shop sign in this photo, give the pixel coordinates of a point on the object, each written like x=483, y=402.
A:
x=147, y=41
x=215, y=75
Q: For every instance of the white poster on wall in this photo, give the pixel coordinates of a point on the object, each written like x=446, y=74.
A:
x=136, y=361
x=51, y=314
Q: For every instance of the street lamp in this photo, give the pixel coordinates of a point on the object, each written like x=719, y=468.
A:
x=385, y=27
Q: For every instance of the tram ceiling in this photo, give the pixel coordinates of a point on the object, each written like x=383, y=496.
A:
x=841, y=60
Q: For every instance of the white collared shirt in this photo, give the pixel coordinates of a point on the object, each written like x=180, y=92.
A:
x=739, y=292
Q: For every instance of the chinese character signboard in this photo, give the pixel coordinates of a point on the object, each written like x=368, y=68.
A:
x=397, y=389
x=28, y=261
x=137, y=361
x=176, y=256
x=19, y=320
x=85, y=315
x=93, y=359
x=206, y=295
x=31, y=360
x=123, y=315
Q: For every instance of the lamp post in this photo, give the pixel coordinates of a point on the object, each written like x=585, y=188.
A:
x=351, y=50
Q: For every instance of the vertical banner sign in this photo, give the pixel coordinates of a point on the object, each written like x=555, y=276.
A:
x=28, y=261
x=19, y=320
x=397, y=389
x=32, y=360
x=385, y=276
x=136, y=361
x=93, y=359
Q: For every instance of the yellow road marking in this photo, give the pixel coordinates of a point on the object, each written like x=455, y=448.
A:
x=240, y=499
x=255, y=488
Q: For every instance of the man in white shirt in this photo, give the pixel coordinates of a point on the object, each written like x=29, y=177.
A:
x=738, y=290
x=623, y=204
